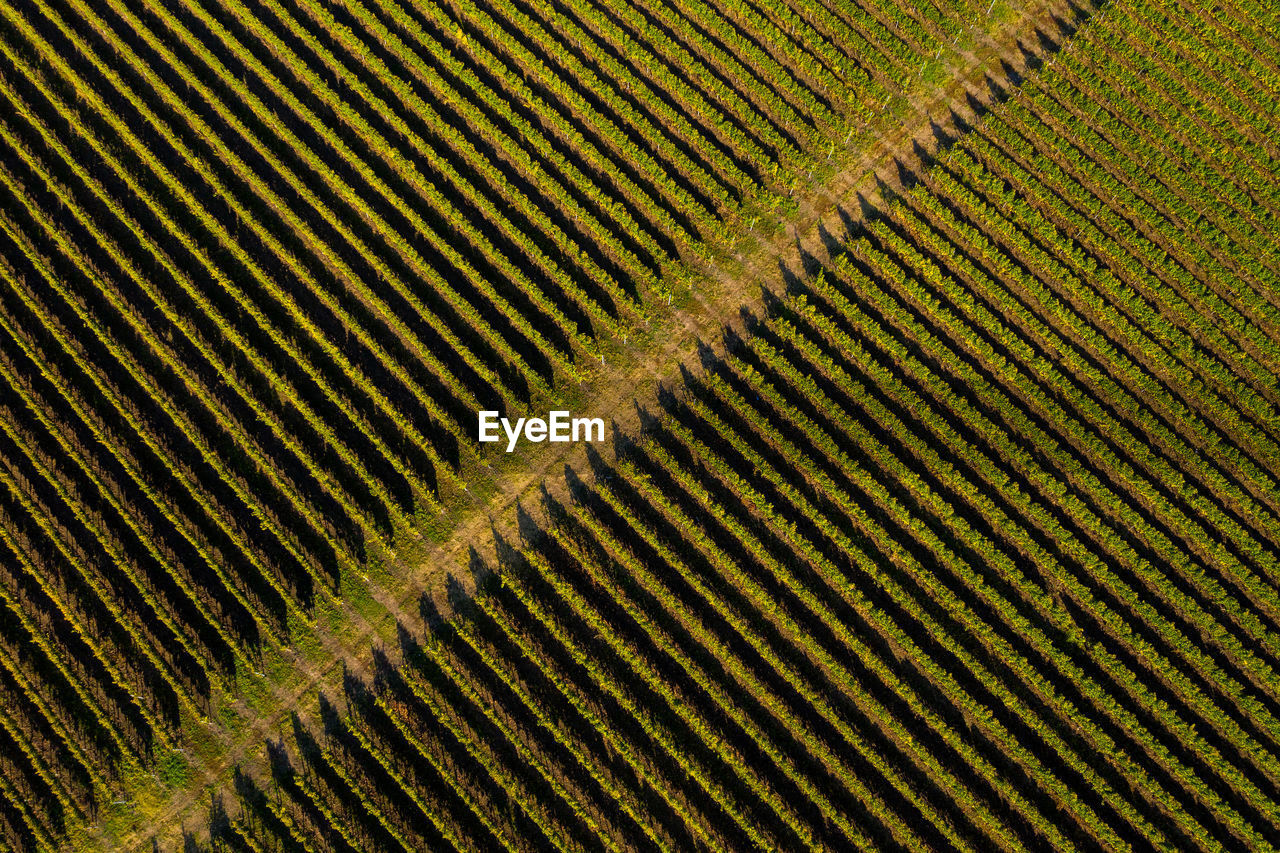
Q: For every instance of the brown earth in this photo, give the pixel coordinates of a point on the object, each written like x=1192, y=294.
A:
x=970, y=78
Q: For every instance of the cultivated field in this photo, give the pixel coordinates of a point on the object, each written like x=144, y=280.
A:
x=261, y=264
x=969, y=540
x=970, y=544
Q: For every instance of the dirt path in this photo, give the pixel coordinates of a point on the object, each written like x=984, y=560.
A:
x=738, y=280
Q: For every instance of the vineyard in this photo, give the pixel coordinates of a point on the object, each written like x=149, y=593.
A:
x=970, y=544
x=263, y=262
x=969, y=540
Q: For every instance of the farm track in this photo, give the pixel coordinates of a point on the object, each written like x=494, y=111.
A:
x=632, y=382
